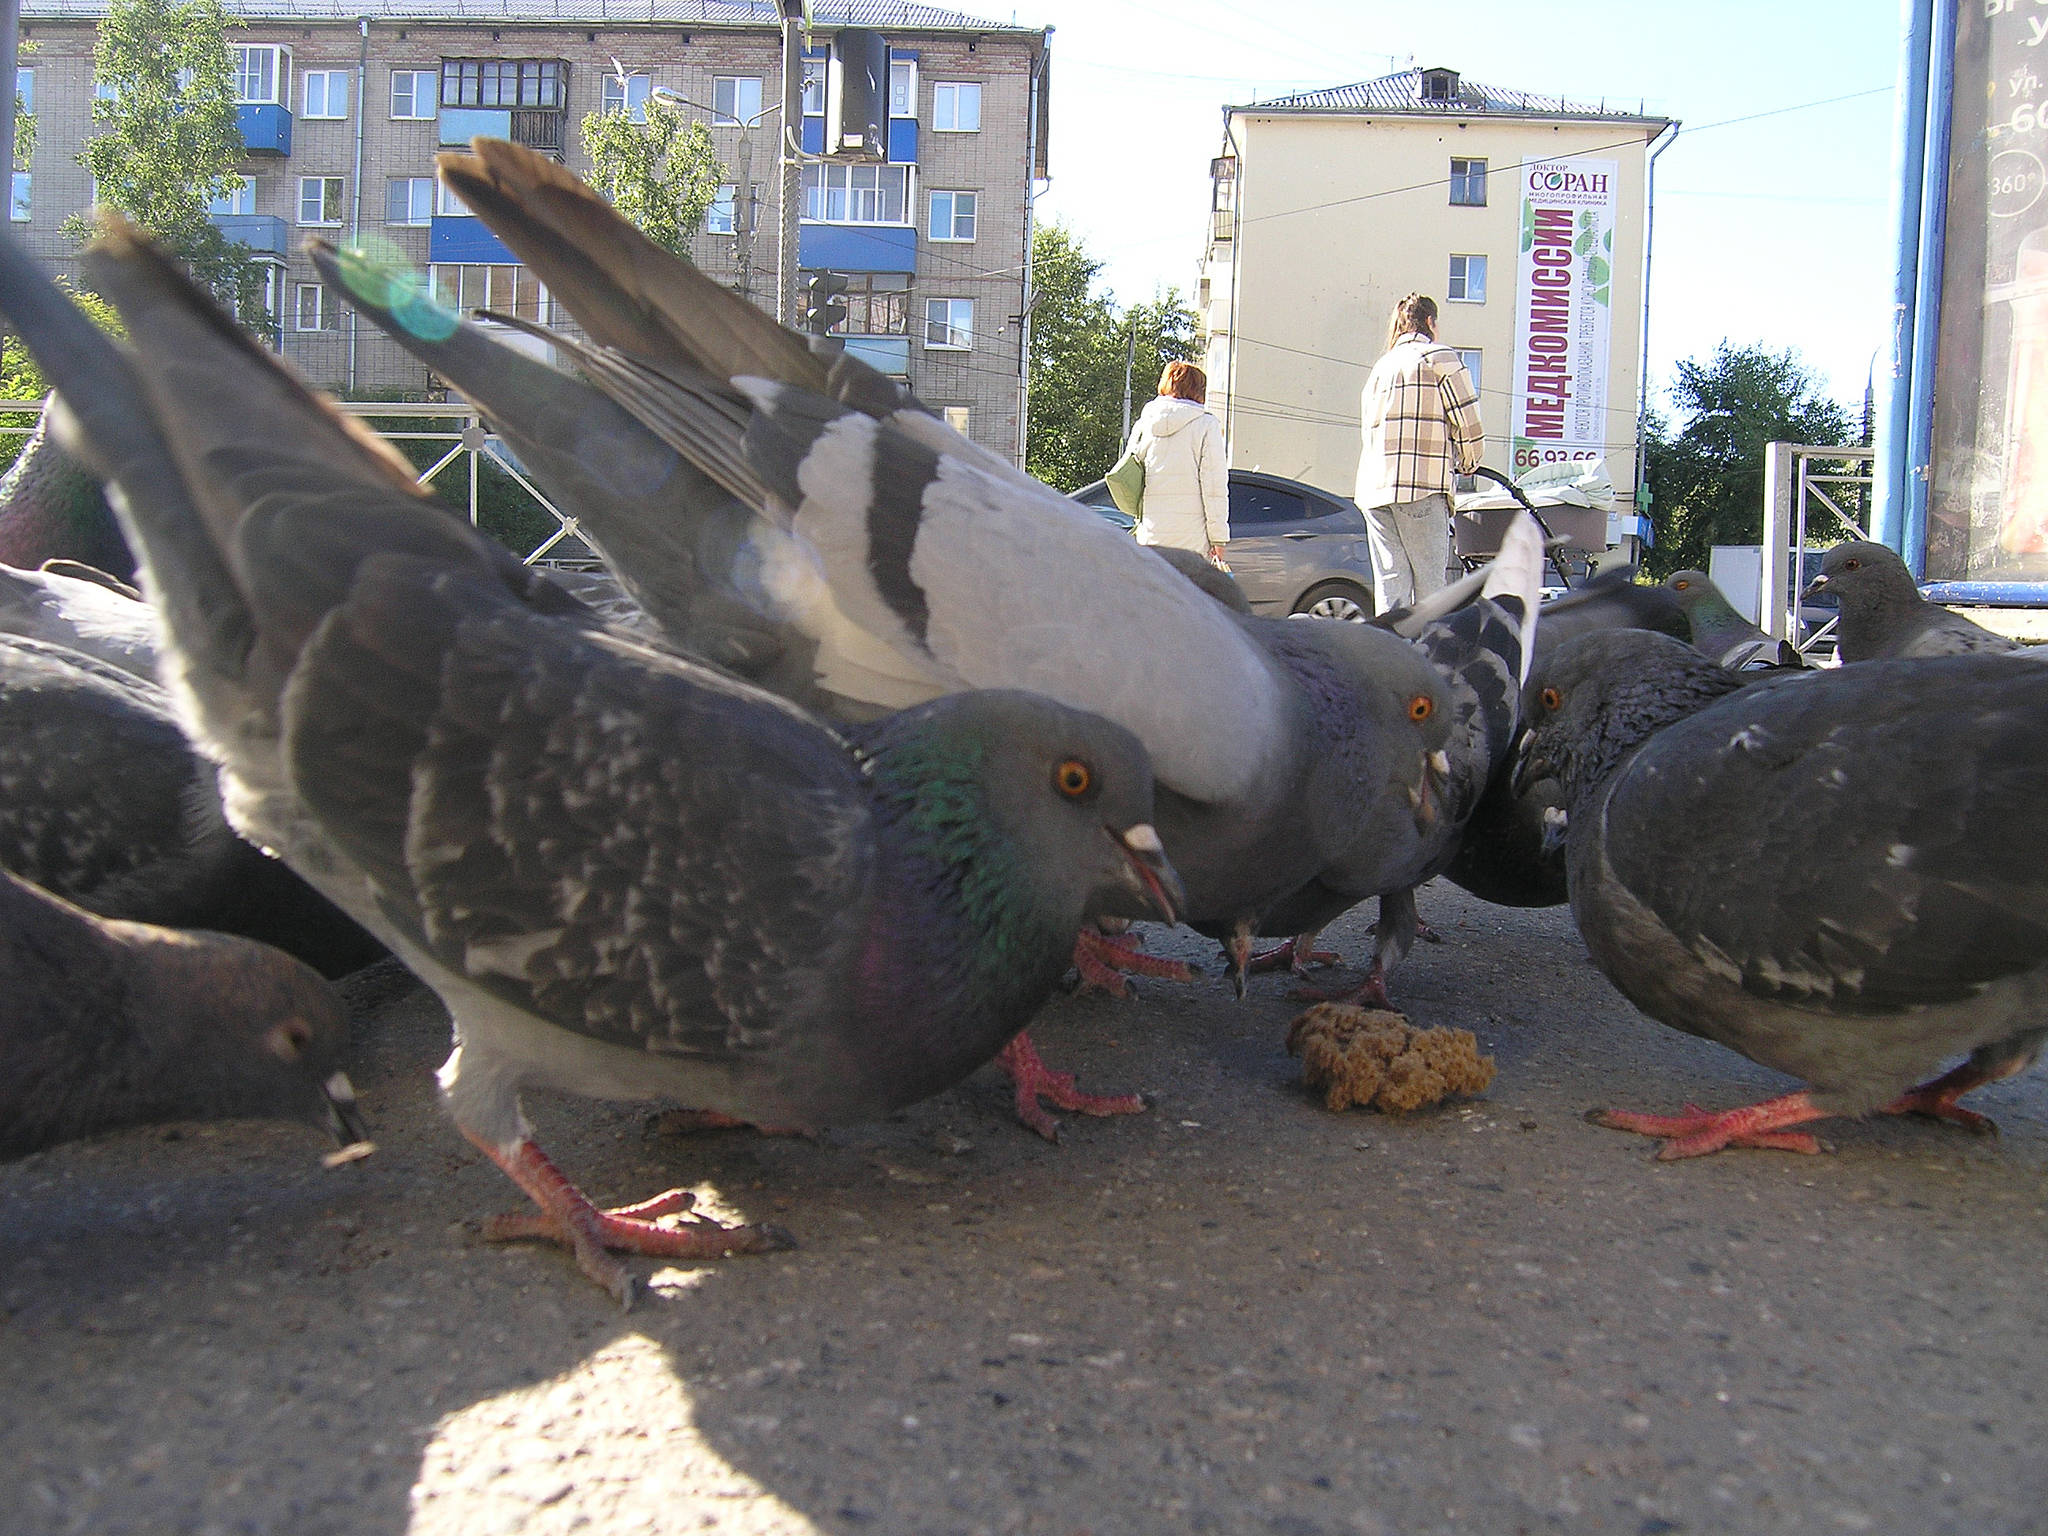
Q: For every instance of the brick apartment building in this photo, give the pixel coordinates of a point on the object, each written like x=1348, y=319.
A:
x=344, y=104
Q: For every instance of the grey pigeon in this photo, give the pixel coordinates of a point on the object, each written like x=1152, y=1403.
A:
x=109, y=1024
x=87, y=614
x=1836, y=873
x=1721, y=632
x=627, y=875
x=1884, y=615
x=54, y=508
x=106, y=803
x=892, y=560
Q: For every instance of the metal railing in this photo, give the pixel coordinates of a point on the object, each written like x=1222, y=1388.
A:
x=1797, y=478
x=457, y=425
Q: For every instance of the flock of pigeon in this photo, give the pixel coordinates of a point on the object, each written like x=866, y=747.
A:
x=867, y=738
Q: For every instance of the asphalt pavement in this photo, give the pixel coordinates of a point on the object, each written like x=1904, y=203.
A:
x=1238, y=1312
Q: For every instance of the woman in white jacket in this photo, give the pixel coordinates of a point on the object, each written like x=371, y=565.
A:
x=1186, y=501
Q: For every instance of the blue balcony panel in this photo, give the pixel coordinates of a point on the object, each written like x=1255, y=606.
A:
x=857, y=247
x=452, y=237
x=263, y=233
x=814, y=135
x=266, y=127
x=884, y=354
x=903, y=141
x=461, y=124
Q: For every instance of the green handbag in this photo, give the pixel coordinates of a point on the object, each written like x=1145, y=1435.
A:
x=1126, y=484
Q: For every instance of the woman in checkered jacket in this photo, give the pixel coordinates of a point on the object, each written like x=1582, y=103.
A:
x=1421, y=426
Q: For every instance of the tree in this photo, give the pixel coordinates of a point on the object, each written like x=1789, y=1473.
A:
x=662, y=174
x=1708, y=479
x=1079, y=343
x=171, y=143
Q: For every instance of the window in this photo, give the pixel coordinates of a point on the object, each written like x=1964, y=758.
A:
x=262, y=74
x=1252, y=504
x=903, y=87
x=877, y=304
x=814, y=87
x=310, y=312
x=1470, y=357
x=105, y=90
x=239, y=198
x=1468, y=280
x=412, y=94
x=502, y=83
x=17, y=198
x=409, y=200
x=627, y=94
x=721, y=218
x=326, y=92
x=320, y=200
x=956, y=417
x=949, y=324
x=735, y=101
x=952, y=216
x=857, y=194
x=447, y=204
x=956, y=108
x=24, y=92
x=507, y=290
x=1223, y=197
x=1468, y=183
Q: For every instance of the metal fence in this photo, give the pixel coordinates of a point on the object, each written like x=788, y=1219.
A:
x=1798, y=477
x=464, y=445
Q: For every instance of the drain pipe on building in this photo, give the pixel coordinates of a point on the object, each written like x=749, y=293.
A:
x=1666, y=137
x=355, y=219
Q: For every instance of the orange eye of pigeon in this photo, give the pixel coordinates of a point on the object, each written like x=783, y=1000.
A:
x=1852, y=565
x=1072, y=778
x=1551, y=698
x=1420, y=708
x=1681, y=585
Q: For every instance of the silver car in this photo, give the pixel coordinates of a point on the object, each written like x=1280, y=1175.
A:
x=1295, y=549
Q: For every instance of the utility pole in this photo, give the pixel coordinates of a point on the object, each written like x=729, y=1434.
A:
x=1130, y=362
x=792, y=139
x=10, y=43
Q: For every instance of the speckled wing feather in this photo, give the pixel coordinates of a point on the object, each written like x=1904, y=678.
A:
x=620, y=843
x=1909, y=802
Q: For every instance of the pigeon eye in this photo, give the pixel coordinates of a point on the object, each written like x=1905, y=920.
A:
x=1852, y=565
x=1551, y=699
x=1072, y=778
x=1681, y=585
x=1420, y=708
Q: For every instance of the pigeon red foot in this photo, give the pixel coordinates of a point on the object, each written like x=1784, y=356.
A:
x=1937, y=1099
x=1295, y=956
x=1697, y=1132
x=1036, y=1081
x=1369, y=993
x=566, y=1216
x=1103, y=959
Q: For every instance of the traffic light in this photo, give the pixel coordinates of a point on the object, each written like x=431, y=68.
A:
x=824, y=304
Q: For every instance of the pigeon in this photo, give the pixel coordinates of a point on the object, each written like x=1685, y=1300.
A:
x=53, y=508
x=89, y=613
x=628, y=876
x=1836, y=873
x=885, y=559
x=1884, y=615
x=108, y=1024
x=1610, y=600
x=1721, y=632
x=106, y=803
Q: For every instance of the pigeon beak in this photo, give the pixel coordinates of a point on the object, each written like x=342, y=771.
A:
x=1436, y=771
x=1556, y=827
x=1531, y=767
x=345, y=1120
x=1818, y=584
x=1149, y=872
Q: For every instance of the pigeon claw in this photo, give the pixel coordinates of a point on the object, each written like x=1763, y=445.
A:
x=1102, y=960
x=1035, y=1081
x=1369, y=993
x=1937, y=1100
x=1295, y=956
x=1697, y=1132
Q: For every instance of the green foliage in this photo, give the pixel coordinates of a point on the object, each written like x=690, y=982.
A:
x=1708, y=479
x=21, y=377
x=504, y=508
x=169, y=143
x=24, y=120
x=663, y=175
x=1078, y=346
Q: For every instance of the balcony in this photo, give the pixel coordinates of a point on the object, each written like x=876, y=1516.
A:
x=460, y=238
x=857, y=247
x=263, y=233
x=266, y=127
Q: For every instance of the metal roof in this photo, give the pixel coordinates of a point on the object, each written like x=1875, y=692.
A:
x=884, y=15
x=1402, y=93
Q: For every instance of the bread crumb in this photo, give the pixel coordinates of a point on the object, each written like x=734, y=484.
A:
x=1367, y=1056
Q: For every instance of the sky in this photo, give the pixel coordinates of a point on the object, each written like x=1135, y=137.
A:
x=1772, y=218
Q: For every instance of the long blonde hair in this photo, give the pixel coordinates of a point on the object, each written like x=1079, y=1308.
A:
x=1417, y=313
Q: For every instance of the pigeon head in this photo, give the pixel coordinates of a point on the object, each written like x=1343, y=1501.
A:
x=245, y=1031
x=1042, y=814
x=1699, y=597
x=1597, y=698
x=1867, y=577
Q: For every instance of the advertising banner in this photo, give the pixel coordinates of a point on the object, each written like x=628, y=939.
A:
x=1563, y=299
x=1987, y=501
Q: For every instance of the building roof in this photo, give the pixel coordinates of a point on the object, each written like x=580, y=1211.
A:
x=884, y=15
x=1402, y=93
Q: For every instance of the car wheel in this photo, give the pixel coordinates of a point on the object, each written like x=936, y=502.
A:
x=1334, y=600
